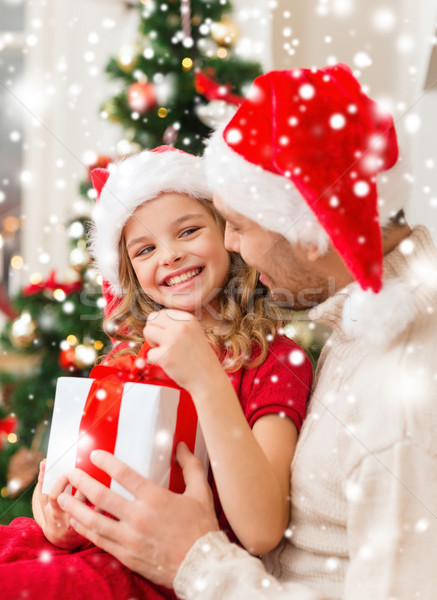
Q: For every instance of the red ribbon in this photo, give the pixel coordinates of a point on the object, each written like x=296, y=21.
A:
x=99, y=424
x=52, y=284
x=213, y=90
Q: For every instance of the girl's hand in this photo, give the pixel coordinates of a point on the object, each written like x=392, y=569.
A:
x=179, y=346
x=56, y=522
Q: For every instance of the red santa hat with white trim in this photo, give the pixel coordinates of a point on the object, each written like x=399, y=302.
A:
x=301, y=157
x=127, y=185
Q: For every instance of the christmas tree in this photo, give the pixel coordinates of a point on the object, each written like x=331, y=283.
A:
x=179, y=76
x=178, y=79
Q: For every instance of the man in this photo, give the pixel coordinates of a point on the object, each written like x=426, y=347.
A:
x=295, y=174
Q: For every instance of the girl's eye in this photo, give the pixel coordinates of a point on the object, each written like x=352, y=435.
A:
x=146, y=250
x=189, y=231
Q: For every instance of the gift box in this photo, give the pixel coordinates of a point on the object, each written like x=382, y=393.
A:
x=132, y=410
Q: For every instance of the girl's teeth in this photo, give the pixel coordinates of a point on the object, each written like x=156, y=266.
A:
x=183, y=277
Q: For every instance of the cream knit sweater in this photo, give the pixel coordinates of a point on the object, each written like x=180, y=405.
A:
x=364, y=477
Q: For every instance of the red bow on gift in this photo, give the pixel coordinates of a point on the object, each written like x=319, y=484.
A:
x=52, y=284
x=213, y=90
x=99, y=424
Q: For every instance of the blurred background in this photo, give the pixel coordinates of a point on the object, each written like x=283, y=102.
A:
x=85, y=82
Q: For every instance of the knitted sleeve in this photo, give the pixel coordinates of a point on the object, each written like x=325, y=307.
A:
x=215, y=569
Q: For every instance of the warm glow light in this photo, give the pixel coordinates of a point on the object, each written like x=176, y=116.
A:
x=98, y=345
x=11, y=224
x=35, y=278
x=59, y=295
x=12, y=438
x=187, y=64
x=222, y=53
x=72, y=340
x=17, y=262
x=162, y=112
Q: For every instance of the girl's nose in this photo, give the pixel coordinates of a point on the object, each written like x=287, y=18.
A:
x=171, y=256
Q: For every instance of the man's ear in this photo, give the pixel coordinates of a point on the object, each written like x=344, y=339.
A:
x=313, y=252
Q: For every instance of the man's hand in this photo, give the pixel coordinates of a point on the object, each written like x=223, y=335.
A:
x=151, y=534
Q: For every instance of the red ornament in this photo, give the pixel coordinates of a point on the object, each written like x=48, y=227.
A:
x=66, y=360
x=7, y=425
x=141, y=97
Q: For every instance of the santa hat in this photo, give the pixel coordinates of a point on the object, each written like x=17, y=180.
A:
x=301, y=157
x=129, y=184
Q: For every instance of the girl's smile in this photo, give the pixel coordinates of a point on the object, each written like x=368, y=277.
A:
x=182, y=276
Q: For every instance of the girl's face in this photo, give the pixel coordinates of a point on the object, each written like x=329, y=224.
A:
x=177, y=251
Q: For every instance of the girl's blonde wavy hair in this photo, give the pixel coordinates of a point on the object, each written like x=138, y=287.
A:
x=243, y=303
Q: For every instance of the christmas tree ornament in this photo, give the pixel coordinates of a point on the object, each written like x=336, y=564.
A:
x=79, y=258
x=23, y=331
x=165, y=88
x=76, y=230
x=187, y=63
x=186, y=20
x=127, y=57
x=85, y=356
x=207, y=47
x=141, y=97
x=8, y=425
x=215, y=113
x=66, y=359
x=125, y=147
x=170, y=135
x=225, y=32
x=110, y=111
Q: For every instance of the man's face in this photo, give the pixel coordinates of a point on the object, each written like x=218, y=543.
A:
x=285, y=269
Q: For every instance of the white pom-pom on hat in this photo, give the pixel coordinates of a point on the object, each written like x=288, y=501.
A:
x=378, y=318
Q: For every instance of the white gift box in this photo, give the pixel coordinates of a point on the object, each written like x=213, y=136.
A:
x=146, y=427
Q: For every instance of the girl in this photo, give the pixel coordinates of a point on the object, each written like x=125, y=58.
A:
x=159, y=243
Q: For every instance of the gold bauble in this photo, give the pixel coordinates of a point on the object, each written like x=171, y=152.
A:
x=127, y=57
x=110, y=110
x=84, y=356
x=225, y=32
x=23, y=331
